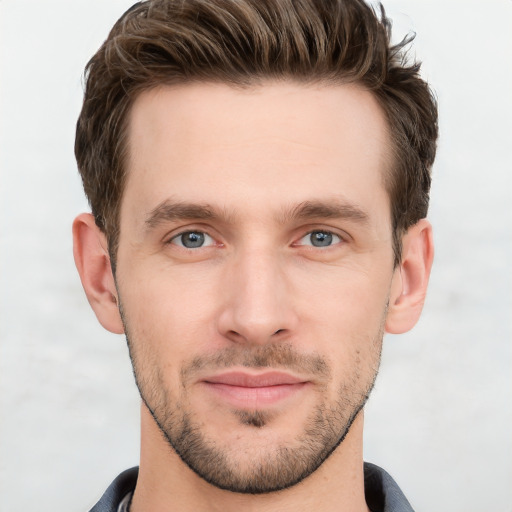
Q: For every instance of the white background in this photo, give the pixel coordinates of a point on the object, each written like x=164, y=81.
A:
x=440, y=418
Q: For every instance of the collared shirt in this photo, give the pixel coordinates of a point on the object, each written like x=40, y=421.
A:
x=381, y=492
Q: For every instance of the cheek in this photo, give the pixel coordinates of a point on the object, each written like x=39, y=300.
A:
x=344, y=298
x=169, y=309
x=344, y=319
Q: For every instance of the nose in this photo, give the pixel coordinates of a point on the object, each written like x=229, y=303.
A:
x=258, y=305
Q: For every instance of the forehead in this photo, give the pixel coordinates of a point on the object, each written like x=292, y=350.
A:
x=278, y=141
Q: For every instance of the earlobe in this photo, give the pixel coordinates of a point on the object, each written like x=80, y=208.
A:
x=93, y=264
x=409, y=286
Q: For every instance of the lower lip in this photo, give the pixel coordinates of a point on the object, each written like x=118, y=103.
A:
x=254, y=398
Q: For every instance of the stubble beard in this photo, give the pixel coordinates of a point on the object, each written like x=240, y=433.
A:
x=272, y=470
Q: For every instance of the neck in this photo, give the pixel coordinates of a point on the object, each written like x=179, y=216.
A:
x=166, y=483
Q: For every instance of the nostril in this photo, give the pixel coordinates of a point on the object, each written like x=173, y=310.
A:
x=236, y=336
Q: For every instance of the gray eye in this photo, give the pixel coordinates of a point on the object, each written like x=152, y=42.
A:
x=321, y=238
x=192, y=239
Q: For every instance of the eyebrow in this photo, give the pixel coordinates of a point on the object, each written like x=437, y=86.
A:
x=169, y=211
x=335, y=209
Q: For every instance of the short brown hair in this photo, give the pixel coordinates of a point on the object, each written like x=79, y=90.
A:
x=243, y=42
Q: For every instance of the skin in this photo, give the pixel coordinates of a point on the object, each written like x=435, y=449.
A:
x=257, y=171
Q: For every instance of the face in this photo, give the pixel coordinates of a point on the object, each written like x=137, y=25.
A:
x=254, y=269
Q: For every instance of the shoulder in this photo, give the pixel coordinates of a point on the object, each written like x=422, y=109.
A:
x=382, y=492
x=117, y=490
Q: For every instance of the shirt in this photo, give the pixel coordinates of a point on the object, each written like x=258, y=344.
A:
x=381, y=492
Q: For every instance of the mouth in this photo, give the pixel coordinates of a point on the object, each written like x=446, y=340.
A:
x=254, y=391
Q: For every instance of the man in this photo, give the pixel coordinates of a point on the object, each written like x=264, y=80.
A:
x=258, y=173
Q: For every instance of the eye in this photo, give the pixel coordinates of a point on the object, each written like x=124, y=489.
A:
x=320, y=239
x=192, y=240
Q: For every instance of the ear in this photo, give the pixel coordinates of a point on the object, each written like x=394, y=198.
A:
x=410, y=280
x=93, y=264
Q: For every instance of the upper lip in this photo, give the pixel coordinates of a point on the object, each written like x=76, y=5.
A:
x=249, y=380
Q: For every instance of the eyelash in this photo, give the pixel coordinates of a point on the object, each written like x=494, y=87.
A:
x=180, y=235
x=326, y=232
x=205, y=235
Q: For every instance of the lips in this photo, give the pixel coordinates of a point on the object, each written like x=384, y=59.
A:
x=246, y=390
x=248, y=380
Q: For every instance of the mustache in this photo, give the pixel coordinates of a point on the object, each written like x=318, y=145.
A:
x=277, y=356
